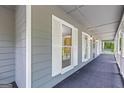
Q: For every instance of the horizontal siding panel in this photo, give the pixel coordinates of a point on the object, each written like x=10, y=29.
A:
x=40, y=26
x=6, y=37
x=21, y=43
x=7, y=62
x=41, y=50
x=21, y=18
x=21, y=58
x=6, y=44
x=38, y=58
x=7, y=56
x=6, y=50
x=41, y=81
x=37, y=30
x=40, y=61
x=20, y=15
x=52, y=82
x=41, y=42
x=7, y=28
x=21, y=51
x=41, y=73
x=21, y=34
x=7, y=80
x=6, y=32
x=41, y=66
x=7, y=68
x=41, y=34
x=7, y=74
x=20, y=27
x=21, y=23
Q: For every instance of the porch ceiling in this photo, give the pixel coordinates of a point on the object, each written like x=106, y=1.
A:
x=100, y=20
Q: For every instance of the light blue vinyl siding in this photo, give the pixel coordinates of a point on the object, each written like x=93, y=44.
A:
x=42, y=45
x=7, y=53
x=20, y=55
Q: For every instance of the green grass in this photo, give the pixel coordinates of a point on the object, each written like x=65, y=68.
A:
x=109, y=45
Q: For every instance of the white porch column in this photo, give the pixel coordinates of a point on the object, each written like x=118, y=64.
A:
x=102, y=46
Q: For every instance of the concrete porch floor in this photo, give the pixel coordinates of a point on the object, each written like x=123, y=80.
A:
x=102, y=72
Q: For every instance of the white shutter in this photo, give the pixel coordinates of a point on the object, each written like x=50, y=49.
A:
x=56, y=46
x=75, y=46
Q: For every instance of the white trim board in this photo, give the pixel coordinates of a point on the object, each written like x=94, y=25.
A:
x=28, y=46
x=57, y=45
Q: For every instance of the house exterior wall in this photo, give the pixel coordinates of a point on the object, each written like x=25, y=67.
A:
x=7, y=54
x=119, y=53
x=20, y=51
x=42, y=45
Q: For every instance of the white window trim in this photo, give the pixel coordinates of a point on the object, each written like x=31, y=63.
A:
x=56, y=63
x=66, y=69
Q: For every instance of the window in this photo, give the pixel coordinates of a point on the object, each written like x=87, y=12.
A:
x=94, y=48
x=64, y=46
x=85, y=47
x=120, y=44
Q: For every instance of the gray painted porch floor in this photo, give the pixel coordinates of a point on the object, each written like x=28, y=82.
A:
x=102, y=72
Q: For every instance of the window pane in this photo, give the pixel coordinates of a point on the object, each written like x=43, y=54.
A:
x=66, y=48
x=66, y=58
x=86, y=48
